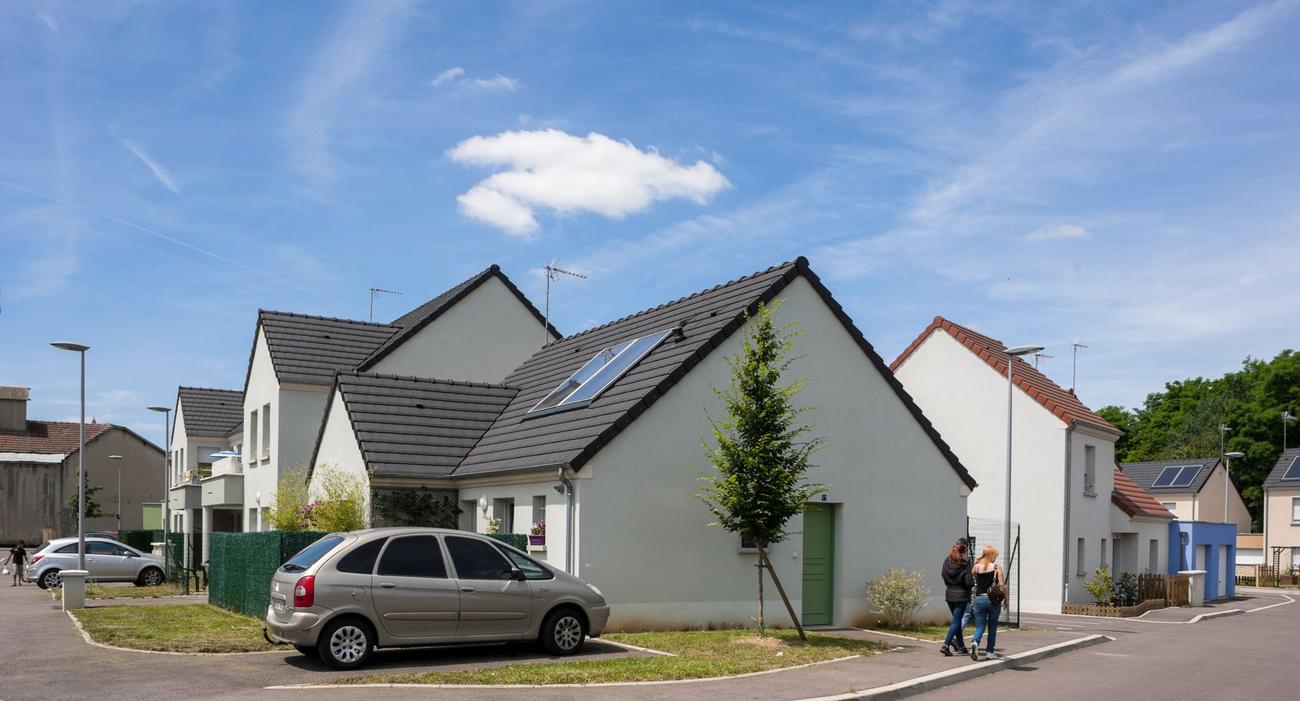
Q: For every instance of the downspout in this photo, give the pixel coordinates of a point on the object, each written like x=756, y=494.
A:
x=1065, y=547
x=568, y=521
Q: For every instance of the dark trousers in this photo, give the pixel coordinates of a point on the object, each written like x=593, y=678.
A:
x=958, y=609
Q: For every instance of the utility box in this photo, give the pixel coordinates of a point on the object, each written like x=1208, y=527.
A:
x=1196, y=586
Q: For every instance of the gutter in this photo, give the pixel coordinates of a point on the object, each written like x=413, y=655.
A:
x=1065, y=543
x=568, y=491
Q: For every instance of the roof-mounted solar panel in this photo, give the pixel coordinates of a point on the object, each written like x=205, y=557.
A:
x=1293, y=472
x=1166, y=477
x=1186, y=476
x=593, y=378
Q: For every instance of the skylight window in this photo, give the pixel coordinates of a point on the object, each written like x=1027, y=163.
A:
x=1293, y=472
x=583, y=386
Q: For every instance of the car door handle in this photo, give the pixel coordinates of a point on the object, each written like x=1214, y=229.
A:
x=388, y=585
x=467, y=590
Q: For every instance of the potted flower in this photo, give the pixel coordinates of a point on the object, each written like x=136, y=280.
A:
x=537, y=534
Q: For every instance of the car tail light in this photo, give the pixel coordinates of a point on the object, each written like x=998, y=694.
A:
x=304, y=592
x=36, y=559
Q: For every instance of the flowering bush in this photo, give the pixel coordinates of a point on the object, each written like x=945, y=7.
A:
x=494, y=526
x=898, y=595
x=539, y=528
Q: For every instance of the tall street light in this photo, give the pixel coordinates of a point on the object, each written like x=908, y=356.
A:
x=1012, y=353
x=1287, y=418
x=81, y=454
x=118, y=459
x=1227, y=467
x=166, y=411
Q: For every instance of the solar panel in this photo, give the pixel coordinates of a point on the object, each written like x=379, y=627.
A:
x=1166, y=477
x=600, y=372
x=1186, y=476
x=1293, y=472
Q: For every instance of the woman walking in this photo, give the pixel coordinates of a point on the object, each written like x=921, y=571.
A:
x=957, y=582
x=990, y=592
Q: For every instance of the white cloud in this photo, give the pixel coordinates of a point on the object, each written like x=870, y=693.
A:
x=450, y=74
x=567, y=174
x=48, y=21
x=495, y=83
x=159, y=171
x=1057, y=231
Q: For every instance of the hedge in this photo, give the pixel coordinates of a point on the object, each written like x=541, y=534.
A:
x=517, y=540
x=241, y=565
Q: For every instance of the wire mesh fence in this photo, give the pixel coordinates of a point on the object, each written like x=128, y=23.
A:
x=399, y=506
x=987, y=531
x=240, y=566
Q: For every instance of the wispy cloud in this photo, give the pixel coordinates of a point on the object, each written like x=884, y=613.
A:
x=164, y=177
x=456, y=76
x=48, y=21
x=1057, y=231
x=448, y=75
x=566, y=174
x=497, y=82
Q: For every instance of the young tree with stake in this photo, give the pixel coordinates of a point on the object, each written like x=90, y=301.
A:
x=762, y=452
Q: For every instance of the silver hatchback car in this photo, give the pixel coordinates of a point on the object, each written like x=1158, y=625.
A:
x=348, y=593
x=107, y=560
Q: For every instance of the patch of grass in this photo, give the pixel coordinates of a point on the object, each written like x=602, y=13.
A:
x=183, y=628
x=699, y=654
x=99, y=591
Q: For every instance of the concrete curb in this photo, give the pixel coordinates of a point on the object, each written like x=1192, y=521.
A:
x=1217, y=614
x=938, y=680
x=89, y=641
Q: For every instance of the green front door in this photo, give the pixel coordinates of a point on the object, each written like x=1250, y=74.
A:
x=818, y=564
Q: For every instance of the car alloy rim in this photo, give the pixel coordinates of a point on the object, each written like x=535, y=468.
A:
x=348, y=644
x=53, y=580
x=568, y=633
x=153, y=578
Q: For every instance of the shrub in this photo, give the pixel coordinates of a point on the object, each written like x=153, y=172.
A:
x=340, y=501
x=898, y=595
x=292, y=511
x=1101, y=586
x=1126, y=589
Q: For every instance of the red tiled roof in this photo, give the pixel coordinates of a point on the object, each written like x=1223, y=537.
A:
x=1060, y=402
x=50, y=437
x=1133, y=500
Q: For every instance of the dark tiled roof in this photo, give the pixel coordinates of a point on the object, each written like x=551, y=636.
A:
x=210, y=412
x=49, y=437
x=1132, y=500
x=1283, y=463
x=570, y=438
x=423, y=315
x=310, y=349
x=1062, y=403
x=408, y=426
x=1144, y=474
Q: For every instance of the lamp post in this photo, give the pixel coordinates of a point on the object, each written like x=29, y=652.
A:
x=1012, y=353
x=81, y=453
x=1287, y=418
x=166, y=411
x=118, y=460
x=1227, y=467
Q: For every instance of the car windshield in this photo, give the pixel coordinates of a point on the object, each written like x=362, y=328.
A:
x=310, y=554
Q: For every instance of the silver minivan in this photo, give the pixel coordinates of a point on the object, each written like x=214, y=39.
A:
x=348, y=593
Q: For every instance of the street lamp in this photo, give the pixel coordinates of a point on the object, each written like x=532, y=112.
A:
x=1227, y=467
x=81, y=454
x=1287, y=418
x=166, y=411
x=1011, y=354
x=118, y=459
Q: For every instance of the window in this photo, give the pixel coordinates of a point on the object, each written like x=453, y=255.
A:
x=1170, y=506
x=1078, y=570
x=748, y=544
x=70, y=548
x=413, y=556
x=504, y=511
x=469, y=515
x=531, y=569
x=539, y=512
x=1295, y=509
x=1090, y=470
x=95, y=547
x=253, y=425
x=266, y=431
x=1153, y=555
x=1103, y=553
x=476, y=559
x=1293, y=471
x=309, y=555
x=583, y=386
x=1116, y=550
x=362, y=559
x=252, y=521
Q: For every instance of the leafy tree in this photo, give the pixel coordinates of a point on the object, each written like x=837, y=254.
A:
x=93, y=508
x=762, y=454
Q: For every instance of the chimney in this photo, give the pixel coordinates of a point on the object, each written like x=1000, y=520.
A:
x=13, y=409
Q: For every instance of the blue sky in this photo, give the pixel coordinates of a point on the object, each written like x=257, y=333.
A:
x=1124, y=174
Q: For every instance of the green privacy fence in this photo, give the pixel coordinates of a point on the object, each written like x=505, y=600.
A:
x=141, y=540
x=240, y=566
x=517, y=540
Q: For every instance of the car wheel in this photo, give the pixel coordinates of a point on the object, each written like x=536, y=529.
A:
x=50, y=579
x=346, y=643
x=149, y=577
x=307, y=650
x=563, y=632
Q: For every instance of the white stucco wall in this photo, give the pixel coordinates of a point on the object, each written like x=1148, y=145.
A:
x=645, y=540
x=339, y=451
x=1090, y=514
x=482, y=338
x=1279, y=529
x=262, y=388
x=523, y=490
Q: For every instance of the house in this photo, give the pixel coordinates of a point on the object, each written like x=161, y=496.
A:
x=1139, y=528
x=1191, y=489
x=38, y=473
x=1281, y=546
x=207, y=487
x=1066, y=504
x=598, y=436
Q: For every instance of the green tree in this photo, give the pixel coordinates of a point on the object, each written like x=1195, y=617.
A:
x=292, y=509
x=340, y=501
x=762, y=453
x=93, y=508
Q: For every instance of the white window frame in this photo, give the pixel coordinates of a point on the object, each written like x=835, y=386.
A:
x=1295, y=510
x=254, y=426
x=1090, y=470
x=266, y=432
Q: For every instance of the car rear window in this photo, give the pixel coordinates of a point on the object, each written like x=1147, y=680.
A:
x=69, y=548
x=309, y=555
x=362, y=559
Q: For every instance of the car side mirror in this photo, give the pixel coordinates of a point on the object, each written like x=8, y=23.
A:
x=517, y=574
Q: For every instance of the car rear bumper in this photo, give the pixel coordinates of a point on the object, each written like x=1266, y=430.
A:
x=599, y=616
x=302, y=628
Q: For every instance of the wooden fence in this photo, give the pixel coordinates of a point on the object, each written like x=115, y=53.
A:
x=1172, y=588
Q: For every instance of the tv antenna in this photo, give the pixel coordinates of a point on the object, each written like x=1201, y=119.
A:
x=554, y=273
x=1041, y=356
x=375, y=292
x=1074, y=364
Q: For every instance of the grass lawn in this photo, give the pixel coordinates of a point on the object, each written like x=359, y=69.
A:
x=699, y=653
x=99, y=591
x=183, y=628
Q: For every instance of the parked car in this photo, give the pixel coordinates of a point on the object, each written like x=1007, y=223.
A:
x=348, y=593
x=106, y=560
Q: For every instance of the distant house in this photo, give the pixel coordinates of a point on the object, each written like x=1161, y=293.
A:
x=598, y=437
x=1281, y=547
x=207, y=491
x=1074, y=515
x=1191, y=489
x=38, y=473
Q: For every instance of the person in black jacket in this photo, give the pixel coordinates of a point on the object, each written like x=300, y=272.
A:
x=957, y=582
